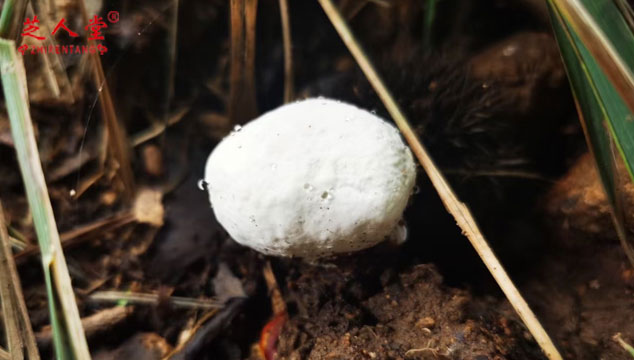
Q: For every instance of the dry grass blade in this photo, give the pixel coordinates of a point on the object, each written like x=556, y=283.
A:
x=457, y=209
x=70, y=341
x=288, y=52
x=627, y=347
x=7, y=295
x=626, y=11
x=117, y=137
x=158, y=128
x=16, y=319
x=216, y=322
x=242, y=100
x=600, y=47
x=83, y=233
x=170, y=66
x=58, y=80
x=277, y=300
x=49, y=75
x=192, y=333
x=99, y=322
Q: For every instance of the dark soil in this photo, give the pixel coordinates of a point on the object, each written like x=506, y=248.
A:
x=411, y=316
x=576, y=293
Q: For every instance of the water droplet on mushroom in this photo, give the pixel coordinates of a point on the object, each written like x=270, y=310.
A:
x=399, y=233
x=203, y=185
x=237, y=128
x=308, y=187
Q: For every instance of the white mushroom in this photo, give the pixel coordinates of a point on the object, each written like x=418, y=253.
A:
x=311, y=179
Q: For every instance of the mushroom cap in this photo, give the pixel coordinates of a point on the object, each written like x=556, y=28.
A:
x=310, y=179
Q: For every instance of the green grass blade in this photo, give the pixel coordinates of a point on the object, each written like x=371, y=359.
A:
x=605, y=44
x=11, y=18
x=604, y=113
x=6, y=18
x=627, y=12
x=609, y=18
x=428, y=23
x=69, y=339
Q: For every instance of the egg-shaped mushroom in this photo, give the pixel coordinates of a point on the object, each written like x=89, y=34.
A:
x=309, y=179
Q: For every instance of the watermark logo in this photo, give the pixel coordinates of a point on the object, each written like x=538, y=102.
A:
x=94, y=30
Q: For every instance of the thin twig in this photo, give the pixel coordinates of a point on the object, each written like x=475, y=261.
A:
x=277, y=300
x=117, y=137
x=153, y=299
x=171, y=42
x=49, y=74
x=183, y=343
x=210, y=330
x=157, y=128
x=498, y=173
x=16, y=318
x=456, y=208
x=97, y=323
x=83, y=232
x=288, y=52
x=53, y=60
x=7, y=294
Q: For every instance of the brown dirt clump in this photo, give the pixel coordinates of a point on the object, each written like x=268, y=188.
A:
x=583, y=289
x=411, y=315
x=579, y=207
x=584, y=295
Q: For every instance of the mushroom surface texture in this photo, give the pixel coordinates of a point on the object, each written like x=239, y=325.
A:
x=310, y=179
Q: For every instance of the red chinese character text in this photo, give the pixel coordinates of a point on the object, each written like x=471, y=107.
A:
x=95, y=25
x=22, y=49
x=62, y=25
x=31, y=28
x=102, y=49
